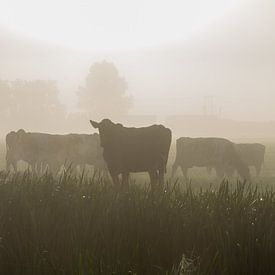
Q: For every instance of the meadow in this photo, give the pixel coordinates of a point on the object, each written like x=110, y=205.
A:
x=85, y=225
x=80, y=225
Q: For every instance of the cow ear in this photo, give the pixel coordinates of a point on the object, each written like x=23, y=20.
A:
x=20, y=133
x=94, y=124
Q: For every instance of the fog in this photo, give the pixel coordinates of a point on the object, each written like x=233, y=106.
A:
x=201, y=69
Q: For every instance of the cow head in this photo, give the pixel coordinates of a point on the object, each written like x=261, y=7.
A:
x=10, y=139
x=95, y=124
x=14, y=146
x=107, y=131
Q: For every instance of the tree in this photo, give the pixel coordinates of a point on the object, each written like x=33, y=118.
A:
x=33, y=105
x=36, y=97
x=105, y=92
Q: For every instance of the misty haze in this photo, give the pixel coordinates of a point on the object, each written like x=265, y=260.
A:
x=137, y=137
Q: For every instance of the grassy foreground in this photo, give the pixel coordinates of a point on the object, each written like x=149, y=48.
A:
x=86, y=226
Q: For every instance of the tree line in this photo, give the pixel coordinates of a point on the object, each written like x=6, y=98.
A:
x=35, y=105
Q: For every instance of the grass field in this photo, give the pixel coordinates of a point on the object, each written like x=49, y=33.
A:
x=86, y=226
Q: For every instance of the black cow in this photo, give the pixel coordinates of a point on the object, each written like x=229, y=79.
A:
x=219, y=153
x=132, y=149
x=18, y=150
x=252, y=154
x=41, y=150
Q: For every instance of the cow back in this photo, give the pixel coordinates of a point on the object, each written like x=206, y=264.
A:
x=137, y=149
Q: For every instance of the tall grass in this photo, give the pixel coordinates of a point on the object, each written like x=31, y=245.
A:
x=80, y=225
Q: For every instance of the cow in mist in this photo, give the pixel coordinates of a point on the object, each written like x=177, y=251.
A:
x=252, y=154
x=40, y=150
x=219, y=153
x=127, y=150
x=16, y=152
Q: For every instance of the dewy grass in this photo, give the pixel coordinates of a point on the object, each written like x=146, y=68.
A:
x=81, y=225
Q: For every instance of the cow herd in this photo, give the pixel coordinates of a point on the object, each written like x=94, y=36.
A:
x=44, y=151
x=123, y=150
x=218, y=153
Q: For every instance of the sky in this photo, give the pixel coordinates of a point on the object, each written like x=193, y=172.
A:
x=179, y=57
x=111, y=25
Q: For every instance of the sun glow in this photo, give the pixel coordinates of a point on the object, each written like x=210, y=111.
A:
x=103, y=24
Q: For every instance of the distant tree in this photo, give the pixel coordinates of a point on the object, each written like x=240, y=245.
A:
x=31, y=104
x=36, y=97
x=105, y=92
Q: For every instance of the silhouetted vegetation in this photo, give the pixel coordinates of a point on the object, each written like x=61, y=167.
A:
x=87, y=226
x=105, y=92
x=30, y=104
x=35, y=105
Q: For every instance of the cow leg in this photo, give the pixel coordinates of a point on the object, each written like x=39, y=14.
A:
x=115, y=178
x=184, y=171
x=209, y=170
x=258, y=169
x=220, y=172
x=103, y=173
x=81, y=168
x=161, y=176
x=174, y=169
x=153, y=178
x=8, y=165
x=14, y=165
x=96, y=171
x=125, y=179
